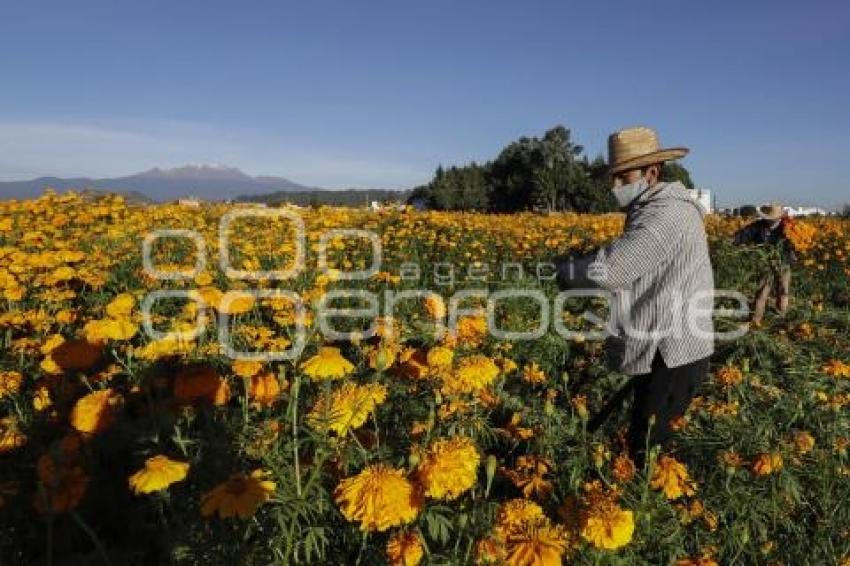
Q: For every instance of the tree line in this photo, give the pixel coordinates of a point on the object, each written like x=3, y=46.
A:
x=548, y=174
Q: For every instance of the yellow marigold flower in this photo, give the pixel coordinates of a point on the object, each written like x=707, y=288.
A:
x=472, y=374
x=449, y=468
x=516, y=511
x=671, y=476
x=440, y=356
x=41, y=398
x=159, y=472
x=10, y=383
x=203, y=279
x=51, y=343
x=121, y=306
x=169, y=346
x=767, y=463
x=804, y=442
x=603, y=523
x=210, y=296
x=109, y=329
x=328, y=363
x=837, y=368
x=247, y=368
x=96, y=411
x=10, y=437
x=239, y=496
x=346, y=408
x=728, y=376
x=379, y=497
x=66, y=316
x=471, y=330
x=404, y=548
x=236, y=302
x=506, y=365
x=532, y=373
x=436, y=306
x=201, y=383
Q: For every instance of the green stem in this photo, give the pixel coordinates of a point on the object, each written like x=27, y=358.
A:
x=296, y=389
x=92, y=536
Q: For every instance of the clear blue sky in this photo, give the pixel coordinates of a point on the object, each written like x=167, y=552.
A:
x=377, y=93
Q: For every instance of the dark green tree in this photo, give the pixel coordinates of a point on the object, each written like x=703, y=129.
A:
x=547, y=173
x=676, y=172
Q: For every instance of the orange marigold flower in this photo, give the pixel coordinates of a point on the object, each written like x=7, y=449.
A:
x=728, y=376
x=201, y=383
x=239, y=496
x=404, y=548
x=671, y=476
x=96, y=411
x=837, y=368
x=767, y=463
x=264, y=389
x=531, y=373
x=623, y=468
x=10, y=437
x=10, y=383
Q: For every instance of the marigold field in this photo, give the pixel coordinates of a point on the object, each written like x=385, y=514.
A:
x=123, y=444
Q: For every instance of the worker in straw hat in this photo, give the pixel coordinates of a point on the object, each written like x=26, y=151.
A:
x=661, y=286
x=768, y=233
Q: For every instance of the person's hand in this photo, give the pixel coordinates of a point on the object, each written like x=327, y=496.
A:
x=572, y=270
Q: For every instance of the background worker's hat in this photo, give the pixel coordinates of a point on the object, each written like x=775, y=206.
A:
x=772, y=211
x=631, y=148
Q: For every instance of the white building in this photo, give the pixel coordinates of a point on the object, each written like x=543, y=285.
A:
x=703, y=196
x=804, y=211
x=190, y=200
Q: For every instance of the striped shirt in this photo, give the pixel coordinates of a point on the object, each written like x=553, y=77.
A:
x=660, y=276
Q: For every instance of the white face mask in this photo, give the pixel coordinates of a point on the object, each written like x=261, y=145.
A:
x=625, y=194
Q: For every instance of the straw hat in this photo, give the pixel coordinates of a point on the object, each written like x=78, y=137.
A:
x=637, y=147
x=772, y=211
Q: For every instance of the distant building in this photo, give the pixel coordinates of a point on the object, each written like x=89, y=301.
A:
x=387, y=205
x=192, y=201
x=804, y=211
x=703, y=196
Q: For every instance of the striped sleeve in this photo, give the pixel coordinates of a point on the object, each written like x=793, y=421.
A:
x=651, y=241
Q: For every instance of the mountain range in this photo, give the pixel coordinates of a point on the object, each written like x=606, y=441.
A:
x=210, y=182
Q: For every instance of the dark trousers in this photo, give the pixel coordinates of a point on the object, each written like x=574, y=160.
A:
x=665, y=393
